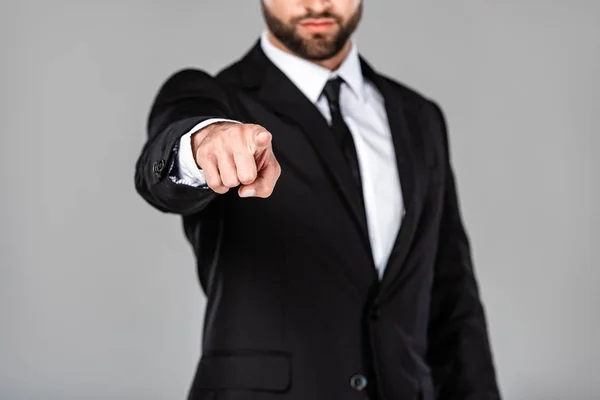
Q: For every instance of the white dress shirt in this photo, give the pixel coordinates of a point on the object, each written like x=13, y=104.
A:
x=363, y=110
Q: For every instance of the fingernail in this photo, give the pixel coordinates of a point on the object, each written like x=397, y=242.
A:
x=249, y=193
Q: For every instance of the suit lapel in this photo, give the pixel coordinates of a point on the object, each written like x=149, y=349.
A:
x=280, y=95
x=404, y=136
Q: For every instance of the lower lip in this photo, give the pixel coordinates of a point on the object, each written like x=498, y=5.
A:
x=318, y=28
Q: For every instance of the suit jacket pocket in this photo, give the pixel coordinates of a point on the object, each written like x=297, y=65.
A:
x=256, y=370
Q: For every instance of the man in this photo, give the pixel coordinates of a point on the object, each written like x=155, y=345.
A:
x=339, y=267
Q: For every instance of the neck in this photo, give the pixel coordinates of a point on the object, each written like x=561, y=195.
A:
x=331, y=64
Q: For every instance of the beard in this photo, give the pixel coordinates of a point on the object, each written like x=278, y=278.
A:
x=318, y=47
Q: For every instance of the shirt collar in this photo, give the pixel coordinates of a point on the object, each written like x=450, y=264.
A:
x=311, y=78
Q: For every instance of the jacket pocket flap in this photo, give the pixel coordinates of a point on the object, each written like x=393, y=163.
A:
x=250, y=371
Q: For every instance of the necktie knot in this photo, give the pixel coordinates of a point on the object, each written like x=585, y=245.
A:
x=332, y=91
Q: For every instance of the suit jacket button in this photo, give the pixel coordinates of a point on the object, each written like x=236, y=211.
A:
x=376, y=310
x=358, y=382
x=158, y=167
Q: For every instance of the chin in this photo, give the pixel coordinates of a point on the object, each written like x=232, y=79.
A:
x=322, y=55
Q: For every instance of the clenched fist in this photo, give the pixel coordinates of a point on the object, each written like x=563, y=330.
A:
x=231, y=154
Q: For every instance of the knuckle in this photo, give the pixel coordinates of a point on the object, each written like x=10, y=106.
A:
x=217, y=188
x=268, y=134
x=237, y=130
x=213, y=183
x=247, y=177
x=202, y=150
x=230, y=182
x=246, y=129
x=255, y=129
x=222, y=142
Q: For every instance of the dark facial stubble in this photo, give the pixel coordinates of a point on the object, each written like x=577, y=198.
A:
x=319, y=47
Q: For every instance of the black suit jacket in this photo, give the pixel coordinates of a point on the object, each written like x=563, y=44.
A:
x=294, y=306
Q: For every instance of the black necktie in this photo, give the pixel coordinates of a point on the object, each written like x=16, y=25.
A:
x=340, y=129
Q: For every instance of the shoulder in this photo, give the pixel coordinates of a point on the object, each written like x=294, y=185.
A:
x=411, y=97
x=423, y=114
x=186, y=82
x=424, y=108
x=230, y=74
x=196, y=82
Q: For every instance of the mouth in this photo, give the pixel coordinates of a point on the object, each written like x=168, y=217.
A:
x=321, y=25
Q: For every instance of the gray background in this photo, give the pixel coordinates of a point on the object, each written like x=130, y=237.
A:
x=98, y=292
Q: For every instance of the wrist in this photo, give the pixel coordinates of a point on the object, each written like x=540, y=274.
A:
x=197, y=138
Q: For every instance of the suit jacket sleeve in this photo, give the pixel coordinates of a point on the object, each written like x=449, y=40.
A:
x=459, y=350
x=186, y=99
